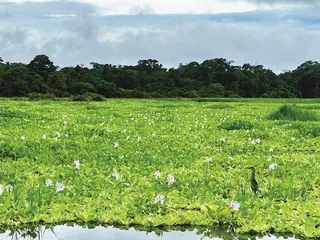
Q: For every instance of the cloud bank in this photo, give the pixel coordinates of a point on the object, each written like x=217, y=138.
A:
x=278, y=39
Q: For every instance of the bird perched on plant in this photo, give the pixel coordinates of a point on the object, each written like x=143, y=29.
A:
x=254, y=183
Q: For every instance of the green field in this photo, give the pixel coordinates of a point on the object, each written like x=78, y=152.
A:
x=205, y=146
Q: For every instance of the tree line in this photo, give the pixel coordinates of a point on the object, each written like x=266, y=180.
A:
x=148, y=78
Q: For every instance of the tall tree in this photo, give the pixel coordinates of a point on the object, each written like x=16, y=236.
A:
x=42, y=65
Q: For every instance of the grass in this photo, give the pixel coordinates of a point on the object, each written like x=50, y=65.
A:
x=135, y=138
x=294, y=113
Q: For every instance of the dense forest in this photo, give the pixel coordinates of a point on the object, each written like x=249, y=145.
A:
x=148, y=78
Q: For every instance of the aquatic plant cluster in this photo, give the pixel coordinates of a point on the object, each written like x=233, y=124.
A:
x=159, y=163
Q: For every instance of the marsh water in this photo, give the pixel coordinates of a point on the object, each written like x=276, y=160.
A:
x=64, y=232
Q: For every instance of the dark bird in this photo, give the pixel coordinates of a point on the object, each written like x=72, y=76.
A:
x=254, y=183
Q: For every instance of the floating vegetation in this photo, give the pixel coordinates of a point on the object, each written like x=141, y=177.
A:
x=237, y=125
x=131, y=162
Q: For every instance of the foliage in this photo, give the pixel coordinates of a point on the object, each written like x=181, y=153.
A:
x=237, y=125
x=211, y=78
x=281, y=93
x=97, y=97
x=294, y=113
x=81, y=97
x=213, y=90
x=310, y=129
x=88, y=97
x=102, y=161
x=39, y=96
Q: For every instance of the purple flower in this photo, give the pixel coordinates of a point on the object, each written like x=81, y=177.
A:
x=157, y=174
x=235, y=205
x=116, y=175
x=9, y=188
x=170, y=178
x=272, y=166
x=48, y=183
x=159, y=198
x=59, y=187
x=77, y=163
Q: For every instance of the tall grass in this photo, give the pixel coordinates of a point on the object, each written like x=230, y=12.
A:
x=294, y=113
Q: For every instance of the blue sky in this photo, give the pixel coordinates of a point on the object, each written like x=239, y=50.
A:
x=278, y=34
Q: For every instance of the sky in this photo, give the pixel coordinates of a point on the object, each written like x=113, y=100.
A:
x=279, y=34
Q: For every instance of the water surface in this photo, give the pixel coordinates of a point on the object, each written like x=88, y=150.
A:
x=64, y=232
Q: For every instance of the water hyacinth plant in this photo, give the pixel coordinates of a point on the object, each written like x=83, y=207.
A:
x=59, y=187
x=170, y=179
x=157, y=174
x=9, y=188
x=159, y=198
x=272, y=166
x=191, y=172
x=116, y=175
x=235, y=205
x=77, y=164
x=48, y=183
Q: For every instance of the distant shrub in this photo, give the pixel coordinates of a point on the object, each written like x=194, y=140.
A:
x=213, y=90
x=107, y=89
x=81, y=88
x=61, y=94
x=176, y=93
x=81, y=97
x=40, y=96
x=234, y=96
x=137, y=94
x=230, y=94
x=156, y=95
x=294, y=113
x=97, y=97
x=192, y=94
x=237, y=125
x=281, y=93
x=123, y=93
x=88, y=97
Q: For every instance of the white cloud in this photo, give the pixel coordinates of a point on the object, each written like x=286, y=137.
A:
x=182, y=6
x=164, y=6
x=277, y=39
x=277, y=47
x=108, y=7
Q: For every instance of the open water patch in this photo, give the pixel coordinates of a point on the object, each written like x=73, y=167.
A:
x=64, y=232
